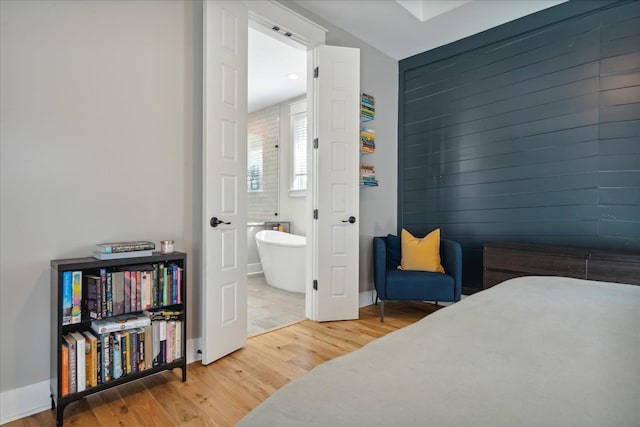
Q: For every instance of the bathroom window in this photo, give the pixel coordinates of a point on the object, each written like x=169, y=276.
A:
x=298, y=120
x=254, y=162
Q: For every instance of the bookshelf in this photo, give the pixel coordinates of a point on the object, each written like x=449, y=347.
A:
x=162, y=287
x=367, y=140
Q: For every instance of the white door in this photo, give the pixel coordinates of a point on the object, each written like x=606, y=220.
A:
x=224, y=275
x=335, y=183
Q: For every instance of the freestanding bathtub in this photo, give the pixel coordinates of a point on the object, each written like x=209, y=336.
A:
x=282, y=256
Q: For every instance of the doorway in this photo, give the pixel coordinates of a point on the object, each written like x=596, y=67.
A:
x=276, y=169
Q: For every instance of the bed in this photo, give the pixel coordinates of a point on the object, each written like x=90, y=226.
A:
x=531, y=351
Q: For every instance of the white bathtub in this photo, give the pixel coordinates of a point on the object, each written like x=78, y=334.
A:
x=283, y=259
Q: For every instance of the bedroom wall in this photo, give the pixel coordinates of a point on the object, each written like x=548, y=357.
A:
x=378, y=77
x=101, y=122
x=526, y=132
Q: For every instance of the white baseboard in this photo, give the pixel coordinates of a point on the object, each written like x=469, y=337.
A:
x=254, y=268
x=24, y=401
x=366, y=298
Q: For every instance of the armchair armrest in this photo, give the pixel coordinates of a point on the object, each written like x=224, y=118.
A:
x=451, y=260
x=380, y=266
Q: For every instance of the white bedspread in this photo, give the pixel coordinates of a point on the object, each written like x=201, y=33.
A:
x=533, y=351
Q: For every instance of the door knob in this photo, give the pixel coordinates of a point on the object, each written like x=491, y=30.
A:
x=351, y=220
x=216, y=222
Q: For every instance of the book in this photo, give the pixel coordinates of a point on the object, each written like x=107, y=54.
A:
x=119, y=352
x=91, y=358
x=122, y=255
x=64, y=375
x=93, y=300
x=141, y=349
x=71, y=344
x=81, y=372
x=67, y=297
x=148, y=346
x=139, y=245
x=76, y=286
x=117, y=292
x=106, y=371
x=127, y=292
x=120, y=323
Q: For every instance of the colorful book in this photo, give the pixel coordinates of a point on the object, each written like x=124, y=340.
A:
x=120, y=323
x=76, y=284
x=67, y=297
x=105, y=355
x=91, y=358
x=140, y=245
x=119, y=350
x=71, y=343
x=127, y=292
x=64, y=375
x=81, y=373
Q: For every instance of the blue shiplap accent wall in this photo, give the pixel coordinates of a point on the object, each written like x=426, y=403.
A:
x=527, y=132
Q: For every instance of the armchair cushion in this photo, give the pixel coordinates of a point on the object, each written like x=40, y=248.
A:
x=421, y=254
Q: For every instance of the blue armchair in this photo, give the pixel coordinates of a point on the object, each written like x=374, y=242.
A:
x=394, y=284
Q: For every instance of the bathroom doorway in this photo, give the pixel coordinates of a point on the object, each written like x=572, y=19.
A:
x=276, y=166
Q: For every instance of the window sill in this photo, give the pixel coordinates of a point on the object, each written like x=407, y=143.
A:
x=297, y=193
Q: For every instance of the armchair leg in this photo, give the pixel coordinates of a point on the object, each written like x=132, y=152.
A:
x=381, y=311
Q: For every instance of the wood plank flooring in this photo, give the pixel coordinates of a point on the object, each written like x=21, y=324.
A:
x=223, y=392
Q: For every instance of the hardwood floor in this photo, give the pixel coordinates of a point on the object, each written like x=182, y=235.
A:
x=223, y=392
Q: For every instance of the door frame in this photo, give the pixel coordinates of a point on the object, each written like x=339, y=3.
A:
x=290, y=24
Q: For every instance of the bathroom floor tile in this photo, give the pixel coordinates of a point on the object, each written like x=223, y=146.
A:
x=269, y=307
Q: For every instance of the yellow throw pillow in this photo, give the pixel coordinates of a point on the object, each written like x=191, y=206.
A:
x=421, y=254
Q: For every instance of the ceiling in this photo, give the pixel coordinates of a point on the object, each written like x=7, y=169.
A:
x=399, y=28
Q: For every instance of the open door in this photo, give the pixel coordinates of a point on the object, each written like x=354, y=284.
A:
x=224, y=275
x=335, y=183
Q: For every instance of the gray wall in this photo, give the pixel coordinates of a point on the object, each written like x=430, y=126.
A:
x=527, y=132
x=378, y=77
x=101, y=126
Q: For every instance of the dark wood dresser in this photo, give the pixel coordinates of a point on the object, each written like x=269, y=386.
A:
x=506, y=260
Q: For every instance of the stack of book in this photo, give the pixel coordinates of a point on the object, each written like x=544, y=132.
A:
x=367, y=108
x=118, y=250
x=367, y=140
x=368, y=175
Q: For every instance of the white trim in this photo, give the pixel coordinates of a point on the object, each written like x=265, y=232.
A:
x=366, y=298
x=254, y=268
x=303, y=30
x=24, y=401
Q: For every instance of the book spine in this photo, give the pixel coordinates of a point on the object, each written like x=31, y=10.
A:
x=179, y=285
x=127, y=359
x=127, y=292
x=118, y=292
x=148, y=348
x=109, y=296
x=76, y=312
x=125, y=247
x=67, y=297
x=133, y=355
x=73, y=387
x=92, y=297
x=141, y=350
x=134, y=291
x=138, y=290
x=155, y=286
x=103, y=292
x=81, y=373
x=99, y=360
x=106, y=358
x=174, y=284
x=64, y=375
x=91, y=359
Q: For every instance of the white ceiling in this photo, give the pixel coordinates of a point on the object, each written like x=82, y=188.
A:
x=399, y=29
x=271, y=60
x=393, y=27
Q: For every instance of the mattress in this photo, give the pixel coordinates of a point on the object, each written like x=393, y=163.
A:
x=531, y=351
